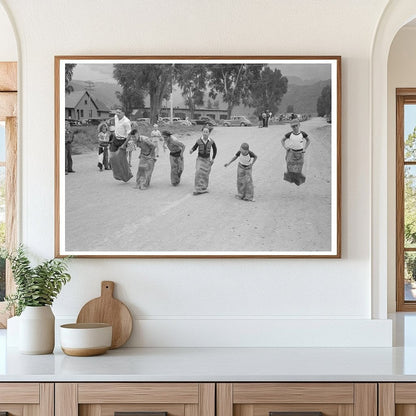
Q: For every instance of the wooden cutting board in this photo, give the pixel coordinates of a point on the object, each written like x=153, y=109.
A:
x=107, y=309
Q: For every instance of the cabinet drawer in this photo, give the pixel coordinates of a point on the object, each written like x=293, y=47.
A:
x=108, y=399
x=397, y=399
x=21, y=399
x=309, y=399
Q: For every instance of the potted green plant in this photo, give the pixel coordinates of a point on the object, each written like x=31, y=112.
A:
x=36, y=289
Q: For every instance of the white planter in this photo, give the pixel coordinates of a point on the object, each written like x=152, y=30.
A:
x=37, y=330
x=12, y=334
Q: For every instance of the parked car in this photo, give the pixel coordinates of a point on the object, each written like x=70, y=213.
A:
x=167, y=119
x=73, y=122
x=237, y=121
x=94, y=121
x=204, y=120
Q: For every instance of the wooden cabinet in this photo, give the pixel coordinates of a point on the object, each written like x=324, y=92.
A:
x=27, y=399
x=261, y=399
x=397, y=399
x=105, y=399
x=208, y=399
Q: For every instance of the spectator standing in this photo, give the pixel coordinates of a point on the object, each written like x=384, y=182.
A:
x=69, y=138
x=156, y=136
x=264, y=118
x=260, y=120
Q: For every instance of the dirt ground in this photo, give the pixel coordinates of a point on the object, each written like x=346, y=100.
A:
x=103, y=214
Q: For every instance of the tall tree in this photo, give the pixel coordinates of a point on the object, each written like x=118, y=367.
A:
x=192, y=80
x=132, y=94
x=69, y=71
x=234, y=82
x=410, y=206
x=138, y=79
x=269, y=89
x=410, y=190
x=323, y=105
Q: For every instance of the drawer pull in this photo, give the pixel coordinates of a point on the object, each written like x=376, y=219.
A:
x=295, y=413
x=140, y=414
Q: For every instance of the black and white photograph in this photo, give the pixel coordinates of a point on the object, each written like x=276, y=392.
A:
x=197, y=156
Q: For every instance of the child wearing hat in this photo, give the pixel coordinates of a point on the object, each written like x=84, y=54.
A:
x=246, y=159
x=156, y=136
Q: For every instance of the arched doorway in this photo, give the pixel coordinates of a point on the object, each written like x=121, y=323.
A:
x=396, y=15
x=8, y=151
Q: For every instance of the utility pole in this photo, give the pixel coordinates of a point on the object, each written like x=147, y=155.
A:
x=171, y=95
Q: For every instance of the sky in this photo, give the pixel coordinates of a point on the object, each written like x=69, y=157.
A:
x=104, y=72
x=409, y=119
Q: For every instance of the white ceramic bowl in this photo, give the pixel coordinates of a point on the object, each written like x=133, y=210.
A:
x=84, y=340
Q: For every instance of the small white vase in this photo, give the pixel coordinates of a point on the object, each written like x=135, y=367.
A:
x=12, y=334
x=37, y=330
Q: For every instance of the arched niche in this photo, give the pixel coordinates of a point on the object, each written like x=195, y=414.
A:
x=396, y=15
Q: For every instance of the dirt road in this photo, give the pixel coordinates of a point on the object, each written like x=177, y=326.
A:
x=103, y=214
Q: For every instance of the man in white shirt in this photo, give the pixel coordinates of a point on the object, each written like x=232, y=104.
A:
x=122, y=124
x=122, y=129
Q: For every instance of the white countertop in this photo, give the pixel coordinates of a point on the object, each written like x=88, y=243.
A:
x=215, y=364
x=222, y=364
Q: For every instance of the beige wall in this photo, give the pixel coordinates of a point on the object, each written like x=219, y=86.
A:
x=207, y=301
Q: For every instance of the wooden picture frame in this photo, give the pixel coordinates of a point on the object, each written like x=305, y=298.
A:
x=296, y=174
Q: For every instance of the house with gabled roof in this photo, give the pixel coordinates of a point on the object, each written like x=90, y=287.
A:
x=82, y=105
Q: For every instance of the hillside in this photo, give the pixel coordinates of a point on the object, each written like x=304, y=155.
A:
x=302, y=97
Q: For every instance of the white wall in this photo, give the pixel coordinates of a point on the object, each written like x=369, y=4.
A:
x=8, y=45
x=401, y=74
x=212, y=302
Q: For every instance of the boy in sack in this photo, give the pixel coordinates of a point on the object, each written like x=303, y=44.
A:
x=246, y=159
x=295, y=143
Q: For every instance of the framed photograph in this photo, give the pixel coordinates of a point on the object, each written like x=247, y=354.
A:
x=191, y=156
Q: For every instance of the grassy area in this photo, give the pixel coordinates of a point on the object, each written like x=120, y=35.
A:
x=85, y=139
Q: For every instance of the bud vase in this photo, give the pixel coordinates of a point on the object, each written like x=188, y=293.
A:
x=37, y=330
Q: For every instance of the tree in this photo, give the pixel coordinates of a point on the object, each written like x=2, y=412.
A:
x=410, y=190
x=268, y=91
x=69, y=71
x=290, y=109
x=139, y=79
x=192, y=80
x=323, y=105
x=234, y=82
x=410, y=205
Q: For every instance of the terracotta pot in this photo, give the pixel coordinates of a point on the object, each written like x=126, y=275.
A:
x=37, y=330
